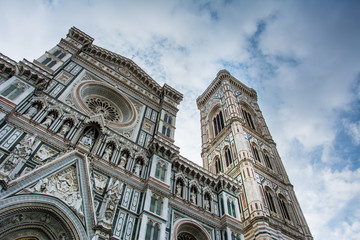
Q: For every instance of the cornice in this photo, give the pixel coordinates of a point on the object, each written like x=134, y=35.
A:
x=7, y=65
x=79, y=36
x=35, y=75
x=219, y=181
x=163, y=148
x=29, y=71
x=216, y=83
x=172, y=94
x=108, y=56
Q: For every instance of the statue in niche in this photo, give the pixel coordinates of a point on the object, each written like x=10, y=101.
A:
x=207, y=204
x=65, y=128
x=193, y=196
x=49, y=119
x=33, y=109
x=179, y=189
x=123, y=160
x=88, y=138
x=138, y=168
x=107, y=153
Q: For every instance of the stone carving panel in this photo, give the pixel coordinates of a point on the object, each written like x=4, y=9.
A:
x=63, y=185
x=44, y=153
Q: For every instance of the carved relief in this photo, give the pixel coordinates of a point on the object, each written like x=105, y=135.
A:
x=44, y=153
x=63, y=185
x=111, y=201
x=22, y=151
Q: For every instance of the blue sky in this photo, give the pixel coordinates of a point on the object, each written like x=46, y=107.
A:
x=302, y=57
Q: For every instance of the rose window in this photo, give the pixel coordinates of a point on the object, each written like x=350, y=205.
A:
x=99, y=99
x=104, y=107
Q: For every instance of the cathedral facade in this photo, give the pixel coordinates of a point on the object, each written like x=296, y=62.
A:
x=87, y=152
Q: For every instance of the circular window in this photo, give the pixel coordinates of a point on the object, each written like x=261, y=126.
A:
x=111, y=104
x=104, y=107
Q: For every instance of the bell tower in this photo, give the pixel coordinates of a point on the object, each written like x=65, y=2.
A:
x=236, y=142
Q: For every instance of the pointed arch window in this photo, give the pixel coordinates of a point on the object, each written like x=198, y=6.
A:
x=256, y=153
x=156, y=232
x=152, y=231
x=157, y=170
x=46, y=61
x=218, y=123
x=160, y=171
x=60, y=54
x=57, y=52
x=267, y=161
x=10, y=89
x=228, y=158
x=13, y=91
x=156, y=204
x=16, y=93
x=283, y=207
x=50, y=65
x=270, y=201
x=163, y=173
x=248, y=119
x=231, y=208
x=217, y=165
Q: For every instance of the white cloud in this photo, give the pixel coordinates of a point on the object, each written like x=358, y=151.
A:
x=353, y=129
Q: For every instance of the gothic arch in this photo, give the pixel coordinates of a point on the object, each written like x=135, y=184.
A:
x=39, y=215
x=227, y=155
x=188, y=229
x=209, y=191
x=249, y=115
x=194, y=183
x=216, y=120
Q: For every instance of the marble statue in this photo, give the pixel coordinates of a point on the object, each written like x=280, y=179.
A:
x=107, y=153
x=207, y=204
x=88, y=138
x=49, y=120
x=123, y=160
x=193, y=196
x=31, y=111
x=137, y=168
x=65, y=128
x=178, y=189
